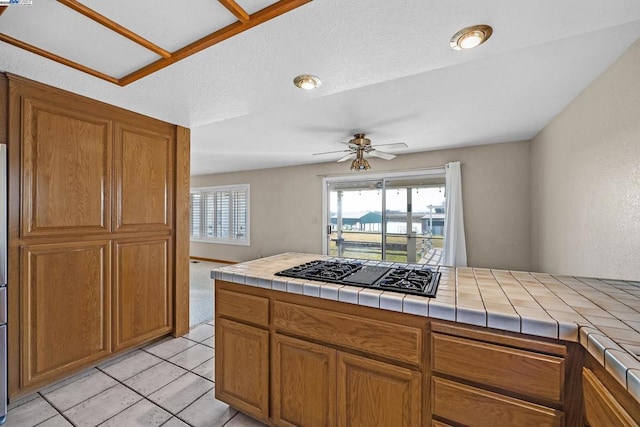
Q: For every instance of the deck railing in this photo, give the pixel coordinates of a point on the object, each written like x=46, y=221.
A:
x=399, y=247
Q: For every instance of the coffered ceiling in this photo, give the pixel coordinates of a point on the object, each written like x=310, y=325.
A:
x=110, y=54
x=386, y=68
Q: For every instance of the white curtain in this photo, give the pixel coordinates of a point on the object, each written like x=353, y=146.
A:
x=455, y=248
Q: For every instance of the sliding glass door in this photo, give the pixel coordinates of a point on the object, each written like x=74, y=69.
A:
x=355, y=219
x=395, y=218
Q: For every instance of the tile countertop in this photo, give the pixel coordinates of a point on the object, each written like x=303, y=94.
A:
x=603, y=315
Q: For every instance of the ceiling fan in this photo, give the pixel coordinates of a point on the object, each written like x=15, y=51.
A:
x=358, y=147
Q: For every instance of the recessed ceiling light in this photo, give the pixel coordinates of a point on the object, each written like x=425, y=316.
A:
x=470, y=37
x=307, y=81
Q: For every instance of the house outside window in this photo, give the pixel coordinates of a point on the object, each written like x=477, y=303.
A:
x=220, y=214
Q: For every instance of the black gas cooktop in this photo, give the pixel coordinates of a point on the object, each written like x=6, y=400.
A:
x=415, y=279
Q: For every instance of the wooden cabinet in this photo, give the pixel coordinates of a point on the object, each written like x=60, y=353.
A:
x=512, y=369
x=329, y=364
x=92, y=262
x=65, y=307
x=242, y=352
x=294, y=360
x=509, y=380
x=601, y=408
x=242, y=367
x=144, y=177
x=373, y=393
x=369, y=391
x=396, y=341
x=66, y=171
x=473, y=406
x=304, y=383
x=311, y=382
x=141, y=290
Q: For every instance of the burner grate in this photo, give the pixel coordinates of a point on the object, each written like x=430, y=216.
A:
x=328, y=271
x=415, y=279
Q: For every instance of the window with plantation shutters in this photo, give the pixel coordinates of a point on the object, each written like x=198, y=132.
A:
x=220, y=214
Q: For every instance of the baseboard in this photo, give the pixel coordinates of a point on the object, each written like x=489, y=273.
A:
x=221, y=261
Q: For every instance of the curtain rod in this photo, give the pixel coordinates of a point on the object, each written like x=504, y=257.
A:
x=388, y=171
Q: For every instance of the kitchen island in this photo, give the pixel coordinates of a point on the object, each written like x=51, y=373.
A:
x=493, y=347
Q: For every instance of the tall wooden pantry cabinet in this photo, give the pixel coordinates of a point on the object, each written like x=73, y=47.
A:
x=98, y=230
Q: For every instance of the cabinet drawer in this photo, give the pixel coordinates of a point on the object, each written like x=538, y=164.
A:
x=393, y=341
x=600, y=407
x=247, y=308
x=519, y=371
x=476, y=407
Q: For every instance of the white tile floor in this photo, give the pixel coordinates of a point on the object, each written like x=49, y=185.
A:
x=169, y=384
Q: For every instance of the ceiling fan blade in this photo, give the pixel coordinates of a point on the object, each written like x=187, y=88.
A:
x=392, y=146
x=331, y=152
x=347, y=157
x=382, y=155
x=338, y=151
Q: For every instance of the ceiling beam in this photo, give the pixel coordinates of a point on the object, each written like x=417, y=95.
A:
x=273, y=11
x=2, y=9
x=52, y=56
x=236, y=9
x=113, y=26
x=264, y=15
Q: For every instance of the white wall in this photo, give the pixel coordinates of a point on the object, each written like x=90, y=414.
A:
x=286, y=204
x=586, y=180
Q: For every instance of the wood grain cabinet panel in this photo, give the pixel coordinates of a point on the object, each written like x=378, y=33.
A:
x=372, y=393
x=242, y=307
x=601, y=409
x=304, y=383
x=93, y=193
x=65, y=308
x=144, y=179
x=66, y=171
x=142, y=290
x=524, y=372
x=242, y=367
x=472, y=406
x=390, y=340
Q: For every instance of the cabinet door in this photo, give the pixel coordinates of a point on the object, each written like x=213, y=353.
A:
x=64, y=308
x=242, y=367
x=66, y=171
x=601, y=408
x=144, y=176
x=142, y=291
x=304, y=383
x=372, y=393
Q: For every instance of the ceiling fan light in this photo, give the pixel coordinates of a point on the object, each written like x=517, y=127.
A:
x=470, y=37
x=307, y=81
x=360, y=163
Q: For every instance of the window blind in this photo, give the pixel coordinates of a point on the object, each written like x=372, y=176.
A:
x=220, y=214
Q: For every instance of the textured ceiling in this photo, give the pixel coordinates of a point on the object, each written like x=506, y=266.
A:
x=386, y=68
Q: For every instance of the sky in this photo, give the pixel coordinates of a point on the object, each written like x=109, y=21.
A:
x=371, y=200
